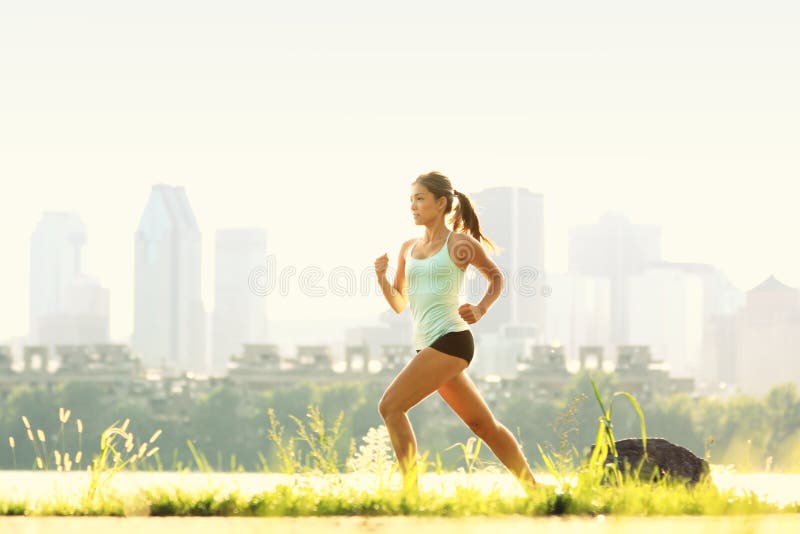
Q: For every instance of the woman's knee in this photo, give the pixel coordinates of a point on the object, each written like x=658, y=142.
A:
x=387, y=406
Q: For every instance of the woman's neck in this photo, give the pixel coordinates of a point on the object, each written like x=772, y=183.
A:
x=434, y=233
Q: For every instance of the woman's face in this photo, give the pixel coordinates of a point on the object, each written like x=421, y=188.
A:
x=424, y=207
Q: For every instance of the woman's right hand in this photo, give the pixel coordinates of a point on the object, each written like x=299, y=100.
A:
x=381, y=264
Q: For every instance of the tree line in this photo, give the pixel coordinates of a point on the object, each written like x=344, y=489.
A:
x=231, y=427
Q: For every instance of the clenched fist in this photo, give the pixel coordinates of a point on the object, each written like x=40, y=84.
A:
x=470, y=313
x=381, y=264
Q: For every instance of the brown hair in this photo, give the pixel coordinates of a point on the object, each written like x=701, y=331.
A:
x=464, y=219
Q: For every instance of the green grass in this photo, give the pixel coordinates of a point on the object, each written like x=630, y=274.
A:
x=323, y=486
x=306, y=499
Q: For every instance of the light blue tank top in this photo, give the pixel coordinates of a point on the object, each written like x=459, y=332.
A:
x=433, y=285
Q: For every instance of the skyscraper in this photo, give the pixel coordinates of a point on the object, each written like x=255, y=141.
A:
x=578, y=312
x=721, y=301
x=168, y=327
x=513, y=218
x=767, y=333
x=66, y=306
x=239, y=313
x=616, y=249
x=665, y=312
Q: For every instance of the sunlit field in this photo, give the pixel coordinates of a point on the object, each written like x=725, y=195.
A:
x=451, y=494
x=126, y=479
x=455, y=501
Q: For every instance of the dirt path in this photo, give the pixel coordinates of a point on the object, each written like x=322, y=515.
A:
x=771, y=524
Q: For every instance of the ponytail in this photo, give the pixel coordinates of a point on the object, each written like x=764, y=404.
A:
x=466, y=220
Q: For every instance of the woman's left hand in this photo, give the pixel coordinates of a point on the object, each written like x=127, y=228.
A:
x=470, y=313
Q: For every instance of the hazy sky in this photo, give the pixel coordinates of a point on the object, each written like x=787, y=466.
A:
x=310, y=119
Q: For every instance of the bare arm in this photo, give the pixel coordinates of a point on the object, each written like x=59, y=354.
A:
x=395, y=293
x=489, y=269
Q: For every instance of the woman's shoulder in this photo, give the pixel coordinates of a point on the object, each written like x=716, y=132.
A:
x=406, y=245
x=462, y=249
x=462, y=238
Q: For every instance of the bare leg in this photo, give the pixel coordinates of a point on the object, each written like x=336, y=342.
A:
x=405, y=446
x=503, y=444
x=464, y=398
x=423, y=375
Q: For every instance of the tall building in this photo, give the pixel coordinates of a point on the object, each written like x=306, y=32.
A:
x=83, y=319
x=66, y=305
x=721, y=300
x=513, y=218
x=616, y=249
x=168, y=328
x=578, y=312
x=239, y=313
x=767, y=332
x=665, y=307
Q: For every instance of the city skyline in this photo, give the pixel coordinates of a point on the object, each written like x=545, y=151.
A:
x=618, y=291
x=208, y=303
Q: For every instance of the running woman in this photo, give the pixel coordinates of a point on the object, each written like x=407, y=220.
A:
x=429, y=274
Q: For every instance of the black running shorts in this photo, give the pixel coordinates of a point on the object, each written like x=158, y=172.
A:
x=459, y=344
